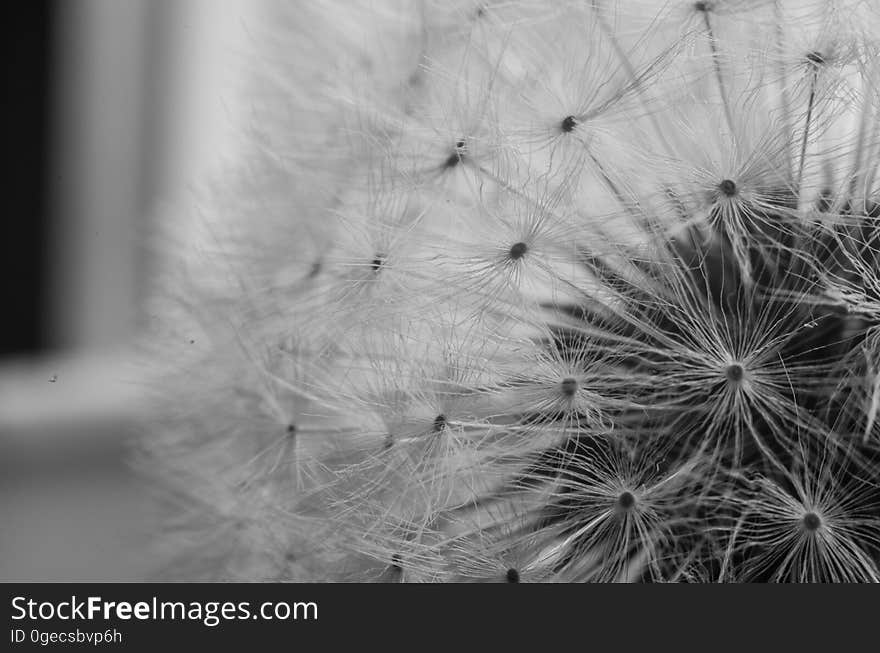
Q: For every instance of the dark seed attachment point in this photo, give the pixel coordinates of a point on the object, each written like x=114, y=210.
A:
x=728, y=187
x=291, y=429
x=377, y=262
x=518, y=250
x=512, y=575
x=626, y=500
x=816, y=58
x=734, y=372
x=702, y=5
x=439, y=423
x=569, y=387
x=457, y=155
x=812, y=521
x=395, y=562
x=568, y=124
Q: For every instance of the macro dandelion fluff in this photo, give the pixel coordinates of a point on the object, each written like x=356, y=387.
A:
x=534, y=292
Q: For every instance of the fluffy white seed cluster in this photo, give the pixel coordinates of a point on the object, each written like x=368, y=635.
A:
x=581, y=290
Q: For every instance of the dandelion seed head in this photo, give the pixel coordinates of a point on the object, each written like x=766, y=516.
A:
x=596, y=299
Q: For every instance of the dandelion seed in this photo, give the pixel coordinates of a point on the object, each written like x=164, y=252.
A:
x=817, y=526
x=611, y=509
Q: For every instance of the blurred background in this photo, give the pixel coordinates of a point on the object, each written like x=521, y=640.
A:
x=112, y=107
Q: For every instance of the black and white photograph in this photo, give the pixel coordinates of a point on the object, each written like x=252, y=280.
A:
x=439, y=291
